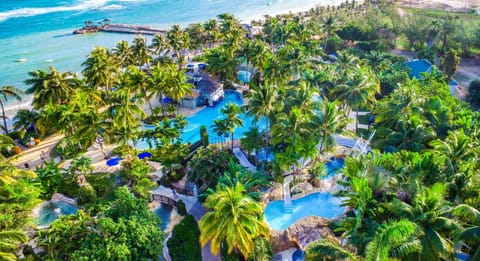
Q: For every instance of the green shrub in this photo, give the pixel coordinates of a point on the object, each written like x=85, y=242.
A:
x=184, y=244
x=181, y=209
x=474, y=92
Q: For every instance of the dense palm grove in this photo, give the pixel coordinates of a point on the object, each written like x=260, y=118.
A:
x=414, y=197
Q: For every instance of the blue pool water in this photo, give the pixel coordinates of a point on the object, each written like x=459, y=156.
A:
x=191, y=133
x=298, y=255
x=316, y=204
x=52, y=210
x=333, y=166
x=163, y=212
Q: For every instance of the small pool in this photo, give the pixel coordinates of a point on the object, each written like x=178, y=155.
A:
x=191, y=133
x=52, y=210
x=163, y=212
x=317, y=204
x=333, y=166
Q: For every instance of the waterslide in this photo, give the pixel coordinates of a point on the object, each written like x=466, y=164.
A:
x=243, y=160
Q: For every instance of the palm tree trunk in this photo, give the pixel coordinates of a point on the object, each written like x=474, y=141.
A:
x=356, y=120
x=4, y=117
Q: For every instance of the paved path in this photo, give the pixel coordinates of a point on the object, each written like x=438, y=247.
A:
x=32, y=156
x=198, y=210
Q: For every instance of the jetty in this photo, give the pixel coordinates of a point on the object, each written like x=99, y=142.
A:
x=90, y=27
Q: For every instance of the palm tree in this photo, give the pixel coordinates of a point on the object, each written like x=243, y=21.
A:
x=329, y=249
x=5, y=93
x=159, y=44
x=328, y=121
x=51, y=87
x=125, y=115
x=232, y=218
x=430, y=212
x=212, y=31
x=393, y=240
x=359, y=90
x=137, y=80
x=262, y=104
x=177, y=40
x=79, y=167
x=232, y=119
x=24, y=119
x=140, y=53
x=10, y=239
x=101, y=70
x=176, y=82
x=123, y=53
x=197, y=35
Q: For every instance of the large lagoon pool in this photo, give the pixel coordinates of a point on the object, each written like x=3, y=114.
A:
x=317, y=204
x=191, y=133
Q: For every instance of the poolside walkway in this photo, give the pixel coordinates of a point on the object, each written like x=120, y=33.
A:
x=32, y=156
x=198, y=210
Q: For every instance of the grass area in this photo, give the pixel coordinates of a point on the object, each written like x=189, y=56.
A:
x=470, y=18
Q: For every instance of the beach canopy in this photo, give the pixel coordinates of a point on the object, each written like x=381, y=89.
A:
x=143, y=155
x=113, y=161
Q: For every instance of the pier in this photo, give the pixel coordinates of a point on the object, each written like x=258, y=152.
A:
x=120, y=28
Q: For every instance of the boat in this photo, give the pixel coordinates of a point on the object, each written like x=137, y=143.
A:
x=21, y=60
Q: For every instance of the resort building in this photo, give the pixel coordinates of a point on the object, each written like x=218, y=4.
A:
x=206, y=92
x=418, y=67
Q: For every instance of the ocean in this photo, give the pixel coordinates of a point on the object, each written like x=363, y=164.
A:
x=40, y=31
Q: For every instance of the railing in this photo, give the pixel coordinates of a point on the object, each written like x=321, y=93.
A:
x=164, y=199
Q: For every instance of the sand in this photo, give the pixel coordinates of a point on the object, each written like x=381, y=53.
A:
x=451, y=5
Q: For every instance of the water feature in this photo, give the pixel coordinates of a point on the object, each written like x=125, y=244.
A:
x=191, y=133
x=50, y=211
x=316, y=204
x=287, y=200
x=163, y=212
x=333, y=166
x=298, y=255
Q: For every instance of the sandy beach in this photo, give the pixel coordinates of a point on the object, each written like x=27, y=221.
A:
x=450, y=5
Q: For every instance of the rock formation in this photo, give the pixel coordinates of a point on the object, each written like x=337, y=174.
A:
x=300, y=234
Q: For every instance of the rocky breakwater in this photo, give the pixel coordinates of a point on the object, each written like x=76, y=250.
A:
x=300, y=234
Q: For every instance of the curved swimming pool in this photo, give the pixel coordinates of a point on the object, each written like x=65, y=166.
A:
x=316, y=204
x=206, y=116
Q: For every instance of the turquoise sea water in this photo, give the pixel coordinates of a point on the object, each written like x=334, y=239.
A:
x=40, y=31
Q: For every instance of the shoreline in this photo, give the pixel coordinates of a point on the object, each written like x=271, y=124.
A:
x=11, y=108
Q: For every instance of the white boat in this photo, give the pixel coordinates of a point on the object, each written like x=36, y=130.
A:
x=21, y=60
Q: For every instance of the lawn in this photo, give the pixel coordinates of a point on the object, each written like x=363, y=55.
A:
x=471, y=18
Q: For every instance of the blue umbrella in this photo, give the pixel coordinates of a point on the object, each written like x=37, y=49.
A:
x=113, y=162
x=143, y=155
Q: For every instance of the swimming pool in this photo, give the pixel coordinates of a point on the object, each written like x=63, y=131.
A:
x=50, y=211
x=191, y=133
x=163, y=212
x=333, y=166
x=316, y=204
